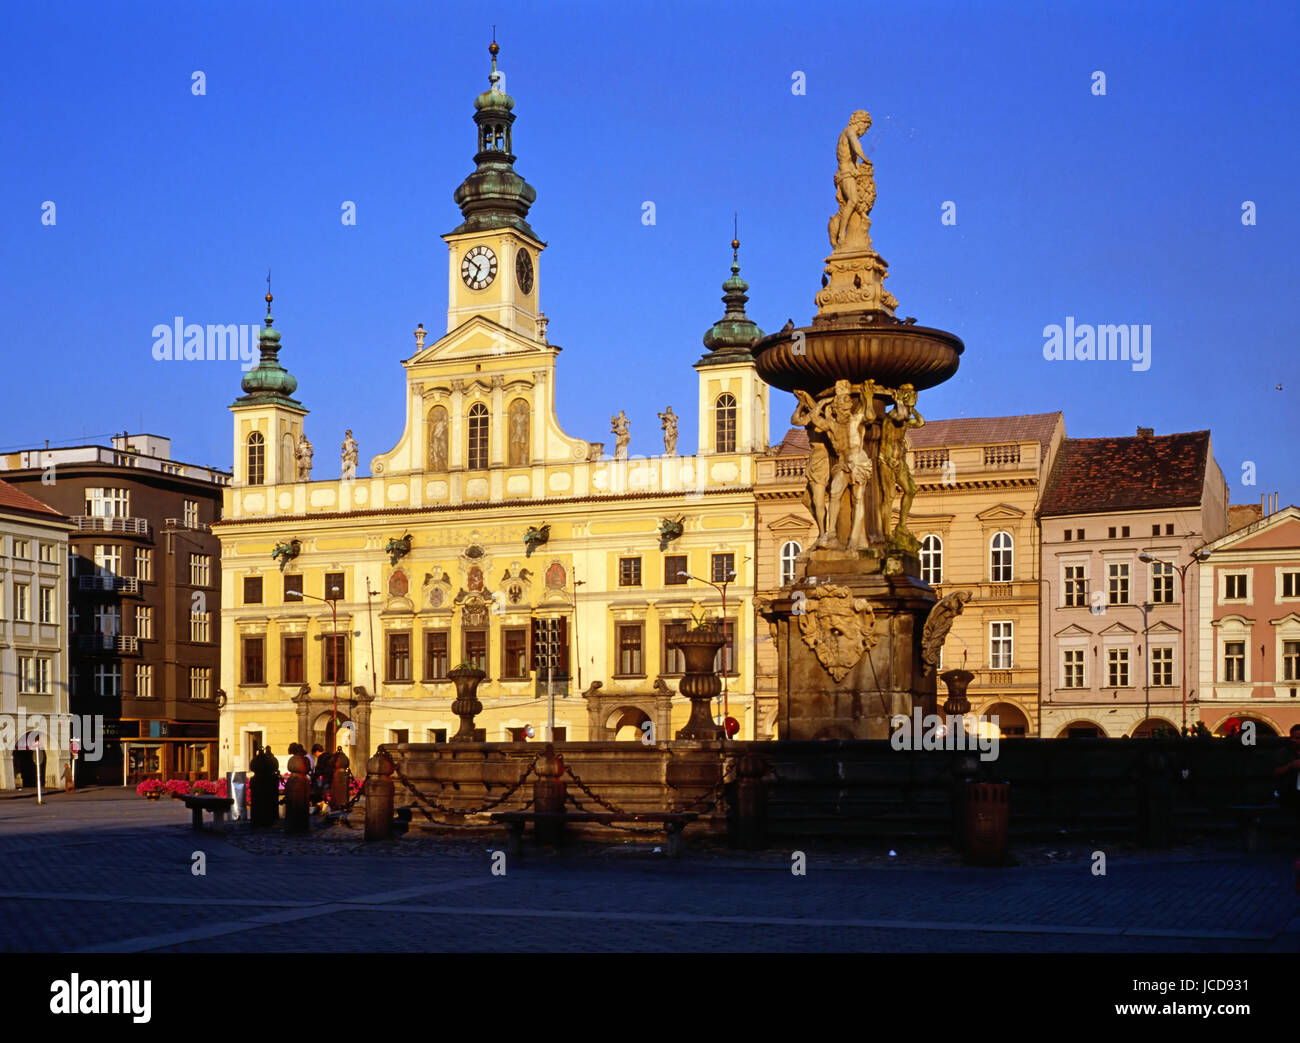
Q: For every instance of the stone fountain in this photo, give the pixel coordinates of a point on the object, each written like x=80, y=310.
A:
x=849, y=627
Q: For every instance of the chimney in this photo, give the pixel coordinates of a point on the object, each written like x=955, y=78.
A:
x=1146, y=432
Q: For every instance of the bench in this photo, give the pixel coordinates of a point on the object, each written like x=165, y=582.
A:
x=201, y=802
x=673, y=823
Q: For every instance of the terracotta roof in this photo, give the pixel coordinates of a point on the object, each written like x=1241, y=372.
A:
x=795, y=443
x=984, y=430
x=1242, y=514
x=14, y=499
x=1094, y=475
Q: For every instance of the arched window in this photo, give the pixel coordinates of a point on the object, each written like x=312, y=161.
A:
x=256, y=458
x=724, y=424
x=478, y=437
x=932, y=560
x=789, y=552
x=1000, y=558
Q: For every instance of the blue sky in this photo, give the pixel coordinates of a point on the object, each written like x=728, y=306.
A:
x=1123, y=208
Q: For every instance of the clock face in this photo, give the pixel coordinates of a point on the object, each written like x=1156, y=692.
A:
x=524, y=270
x=479, y=267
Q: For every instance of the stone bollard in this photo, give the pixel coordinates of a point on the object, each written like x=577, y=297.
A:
x=264, y=790
x=379, y=797
x=751, y=801
x=339, y=784
x=549, y=793
x=297, y=796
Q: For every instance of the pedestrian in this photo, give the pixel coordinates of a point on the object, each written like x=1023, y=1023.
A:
x=321, y=775
x=1287, y=774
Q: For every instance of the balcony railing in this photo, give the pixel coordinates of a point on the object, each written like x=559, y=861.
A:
x=181, y=523
x=130, y=526
x=930, y=459
x=127, y=644
x=790, y=468
x=998, y=677
x=1001, y=454
x=110, y=584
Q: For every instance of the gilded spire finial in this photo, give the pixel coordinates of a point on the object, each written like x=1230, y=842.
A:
x=735, y=242
x=269, y=298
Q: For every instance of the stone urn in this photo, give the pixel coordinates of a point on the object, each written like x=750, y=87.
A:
x=957, y=682
x=700, y=682
x=466, y=705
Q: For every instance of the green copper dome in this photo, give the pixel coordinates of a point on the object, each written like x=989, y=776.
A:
x=494, y=196
x=729, y=338
x=268, y=381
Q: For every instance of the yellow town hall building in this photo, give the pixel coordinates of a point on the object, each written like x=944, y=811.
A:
x=487, y=535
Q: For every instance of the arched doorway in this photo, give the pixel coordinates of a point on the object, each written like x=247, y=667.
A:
x=1232, y=725
x=1012, y=722
x=324, y=731
x=1156, y=727
x=1082, y=730
x=626, y=723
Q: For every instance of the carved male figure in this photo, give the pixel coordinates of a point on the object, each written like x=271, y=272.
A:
x=894, y=472
x=668, y=421
x=349, y=455
x=303, y=454
x=855, y=188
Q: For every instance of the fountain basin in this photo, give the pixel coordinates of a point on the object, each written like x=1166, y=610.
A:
x=812, y=359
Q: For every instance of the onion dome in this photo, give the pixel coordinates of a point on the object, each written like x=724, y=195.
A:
x=730, y=337
x=268, y=381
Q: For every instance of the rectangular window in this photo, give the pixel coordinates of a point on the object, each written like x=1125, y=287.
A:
x=1162, y=667
x=334, y=588
x=254, y=660
x=722, y=567
x=44, y=675
x=143, y=681
x=1124, y=532
x=108, y=680
x=1110, y=532
x=252, y=590
x=1117, y=583
x=1076, y=586
x=398, y=736
x=629, y=572
x=1291, y=584
x=191, y=514
x=144, y=564
x=108, y=559
x=1072, y=668
x=435, y=655
x=399, y=657
x=551, y=647
x=47, y=552
x=514, y=654
x=144, y=622
x=200, y=682
x=1000, y=645
x=1234, y=661
x=26, y=673
x=1169, y=529
x=291, y=665
x=1155, y=530
x=46, y=607
x=725, y=661
x=1291, y=661
x=22, y=549
x=108, y=503
x=674, y=566
x=108, y=620
x=200, y=626
x=629, y=650
x=1069, y=535
x=476, y=648
x=1117, y=668
x=23, y=602
x=200, y=569
x=674, y=661
x=1234, y=587
x=293, y=590
x=435, y=735
x=334, y=659
x=1162, y=583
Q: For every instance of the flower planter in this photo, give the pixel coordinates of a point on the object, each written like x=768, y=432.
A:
x=699, y=682
x=466, y=704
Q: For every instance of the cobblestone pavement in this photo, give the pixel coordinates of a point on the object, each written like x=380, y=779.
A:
x=105, y=871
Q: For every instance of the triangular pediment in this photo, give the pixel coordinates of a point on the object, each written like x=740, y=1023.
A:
x=1073, y=630
x=1000, y=512
x=795, y=524
x=1118, y=630
x=1163, y=628
x=479, y=338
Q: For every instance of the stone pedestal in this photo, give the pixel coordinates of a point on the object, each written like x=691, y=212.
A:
x=848, y=634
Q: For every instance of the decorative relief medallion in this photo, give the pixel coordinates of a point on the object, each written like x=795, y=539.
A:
x=838, y=628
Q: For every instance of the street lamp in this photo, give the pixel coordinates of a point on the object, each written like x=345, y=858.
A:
x=1197, y=556
x=334, y=611
x=722, y=589
x=1145, y=608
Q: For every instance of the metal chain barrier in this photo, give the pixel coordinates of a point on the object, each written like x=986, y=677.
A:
x=424, y=798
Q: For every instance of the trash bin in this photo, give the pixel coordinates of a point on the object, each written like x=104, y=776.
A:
x=237, y=790
x=988, y=806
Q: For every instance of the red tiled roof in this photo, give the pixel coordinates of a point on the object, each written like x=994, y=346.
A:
x=1242, y=514
x=14, y=499
x=1094, y=475
x=984, y=430
x=795, y=443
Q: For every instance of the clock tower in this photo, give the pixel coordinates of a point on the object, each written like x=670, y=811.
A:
x=493, y=268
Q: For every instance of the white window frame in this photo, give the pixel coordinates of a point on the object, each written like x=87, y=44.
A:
x=1009, y=551
x=1082, y=653
x=1173, y=664
x=932, y=560
x=1076, y=563
x=144, y=557
x=1284, y=570
x=1124, y=659
x=1249, y=599
x=1164, y=571
x=1008, y=637
x=108, y=502
x=200, y=570
x=144, y=681
x=786, y=561
x=144, y=622
x=1126, y=577
x=47, y=609
x=23, y=602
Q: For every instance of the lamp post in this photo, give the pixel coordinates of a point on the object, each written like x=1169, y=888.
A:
x=1197, y=557
x=721, y=589
x=1145, y=608
x=334, y=612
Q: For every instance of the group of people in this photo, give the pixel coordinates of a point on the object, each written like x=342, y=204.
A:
x=320, y=767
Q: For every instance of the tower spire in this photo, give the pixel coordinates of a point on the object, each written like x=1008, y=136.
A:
x=732, y=334
x=269, y=381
